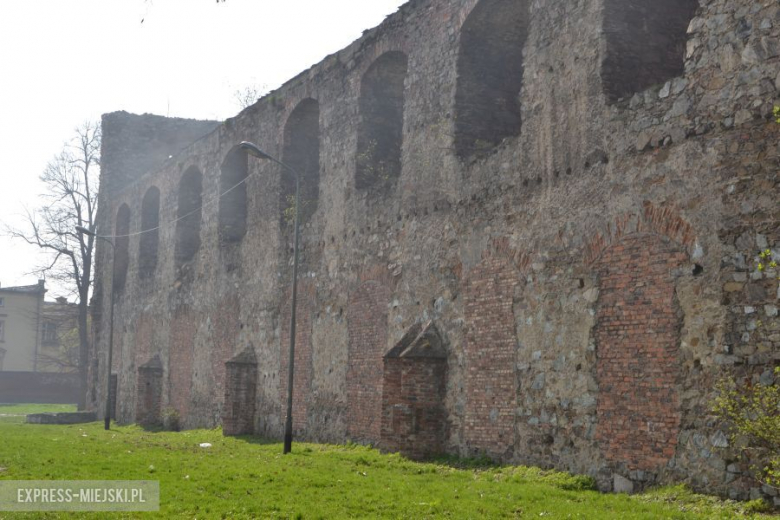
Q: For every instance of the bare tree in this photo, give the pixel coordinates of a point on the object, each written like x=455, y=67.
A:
x=59, y=346
x=70, y=200
x=63, y=357
x=248, y=96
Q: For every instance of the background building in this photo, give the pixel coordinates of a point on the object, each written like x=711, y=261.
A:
x=59, y=350
x=38, y=347
x=21, y=311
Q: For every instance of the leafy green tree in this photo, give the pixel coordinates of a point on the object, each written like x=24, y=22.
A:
x=753, y=413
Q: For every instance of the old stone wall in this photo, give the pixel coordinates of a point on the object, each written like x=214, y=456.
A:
x=586, y=250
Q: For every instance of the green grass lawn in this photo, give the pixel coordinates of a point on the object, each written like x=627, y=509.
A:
x=249, y=478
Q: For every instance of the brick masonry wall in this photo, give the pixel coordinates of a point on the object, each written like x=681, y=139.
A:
x=367, y=323
x=183, y=329
x=149, y=396
x=225, y=319
x=638, y=352
x=240, y=392
x=414, y=418
x=491, y=345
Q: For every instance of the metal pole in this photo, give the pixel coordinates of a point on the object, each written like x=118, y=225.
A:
x=110, y=353
x=291, y=367
x=254, y=151
x=110, y=342
x=84, y=231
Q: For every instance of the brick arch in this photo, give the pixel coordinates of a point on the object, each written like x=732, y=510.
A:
x=367, y=327
x=501, y=247
x=661, y=221
x=637, y=334
x=490, y=352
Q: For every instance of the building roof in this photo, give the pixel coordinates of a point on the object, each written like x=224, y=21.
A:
x=26, y=289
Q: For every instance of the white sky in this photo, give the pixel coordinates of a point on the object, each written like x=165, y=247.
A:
x=63, y=62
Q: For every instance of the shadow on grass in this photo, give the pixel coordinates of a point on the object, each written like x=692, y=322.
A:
x=480, y=462
x=249, y=439
x=559, y=479
x=253, y=439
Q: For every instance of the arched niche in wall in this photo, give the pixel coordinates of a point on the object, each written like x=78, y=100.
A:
x=150, y=233
x=121, y=246
x=302, y=153
x=380, y=131
x=645, y=44
x=490, y=75
x=232, y=201
x=188, y=215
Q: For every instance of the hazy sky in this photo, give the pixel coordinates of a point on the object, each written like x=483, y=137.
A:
x=63, y=62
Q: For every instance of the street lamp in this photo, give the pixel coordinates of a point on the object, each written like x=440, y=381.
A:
x=85, y=231
x=254, y=151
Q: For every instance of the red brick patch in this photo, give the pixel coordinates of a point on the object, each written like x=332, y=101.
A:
x=637, y=339
x=367, y=324
x=491, y=345
x=184, y=327
x=225, y=318
x=413, y=412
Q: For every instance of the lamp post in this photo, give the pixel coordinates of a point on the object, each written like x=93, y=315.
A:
x=254, y=151
x=85, y=231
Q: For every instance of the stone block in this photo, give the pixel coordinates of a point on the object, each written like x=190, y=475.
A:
x=621, y=484
x=62, y=418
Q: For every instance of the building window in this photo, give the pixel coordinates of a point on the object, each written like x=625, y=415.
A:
x=49, y=332
x=2, y=331
x=2, y=302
